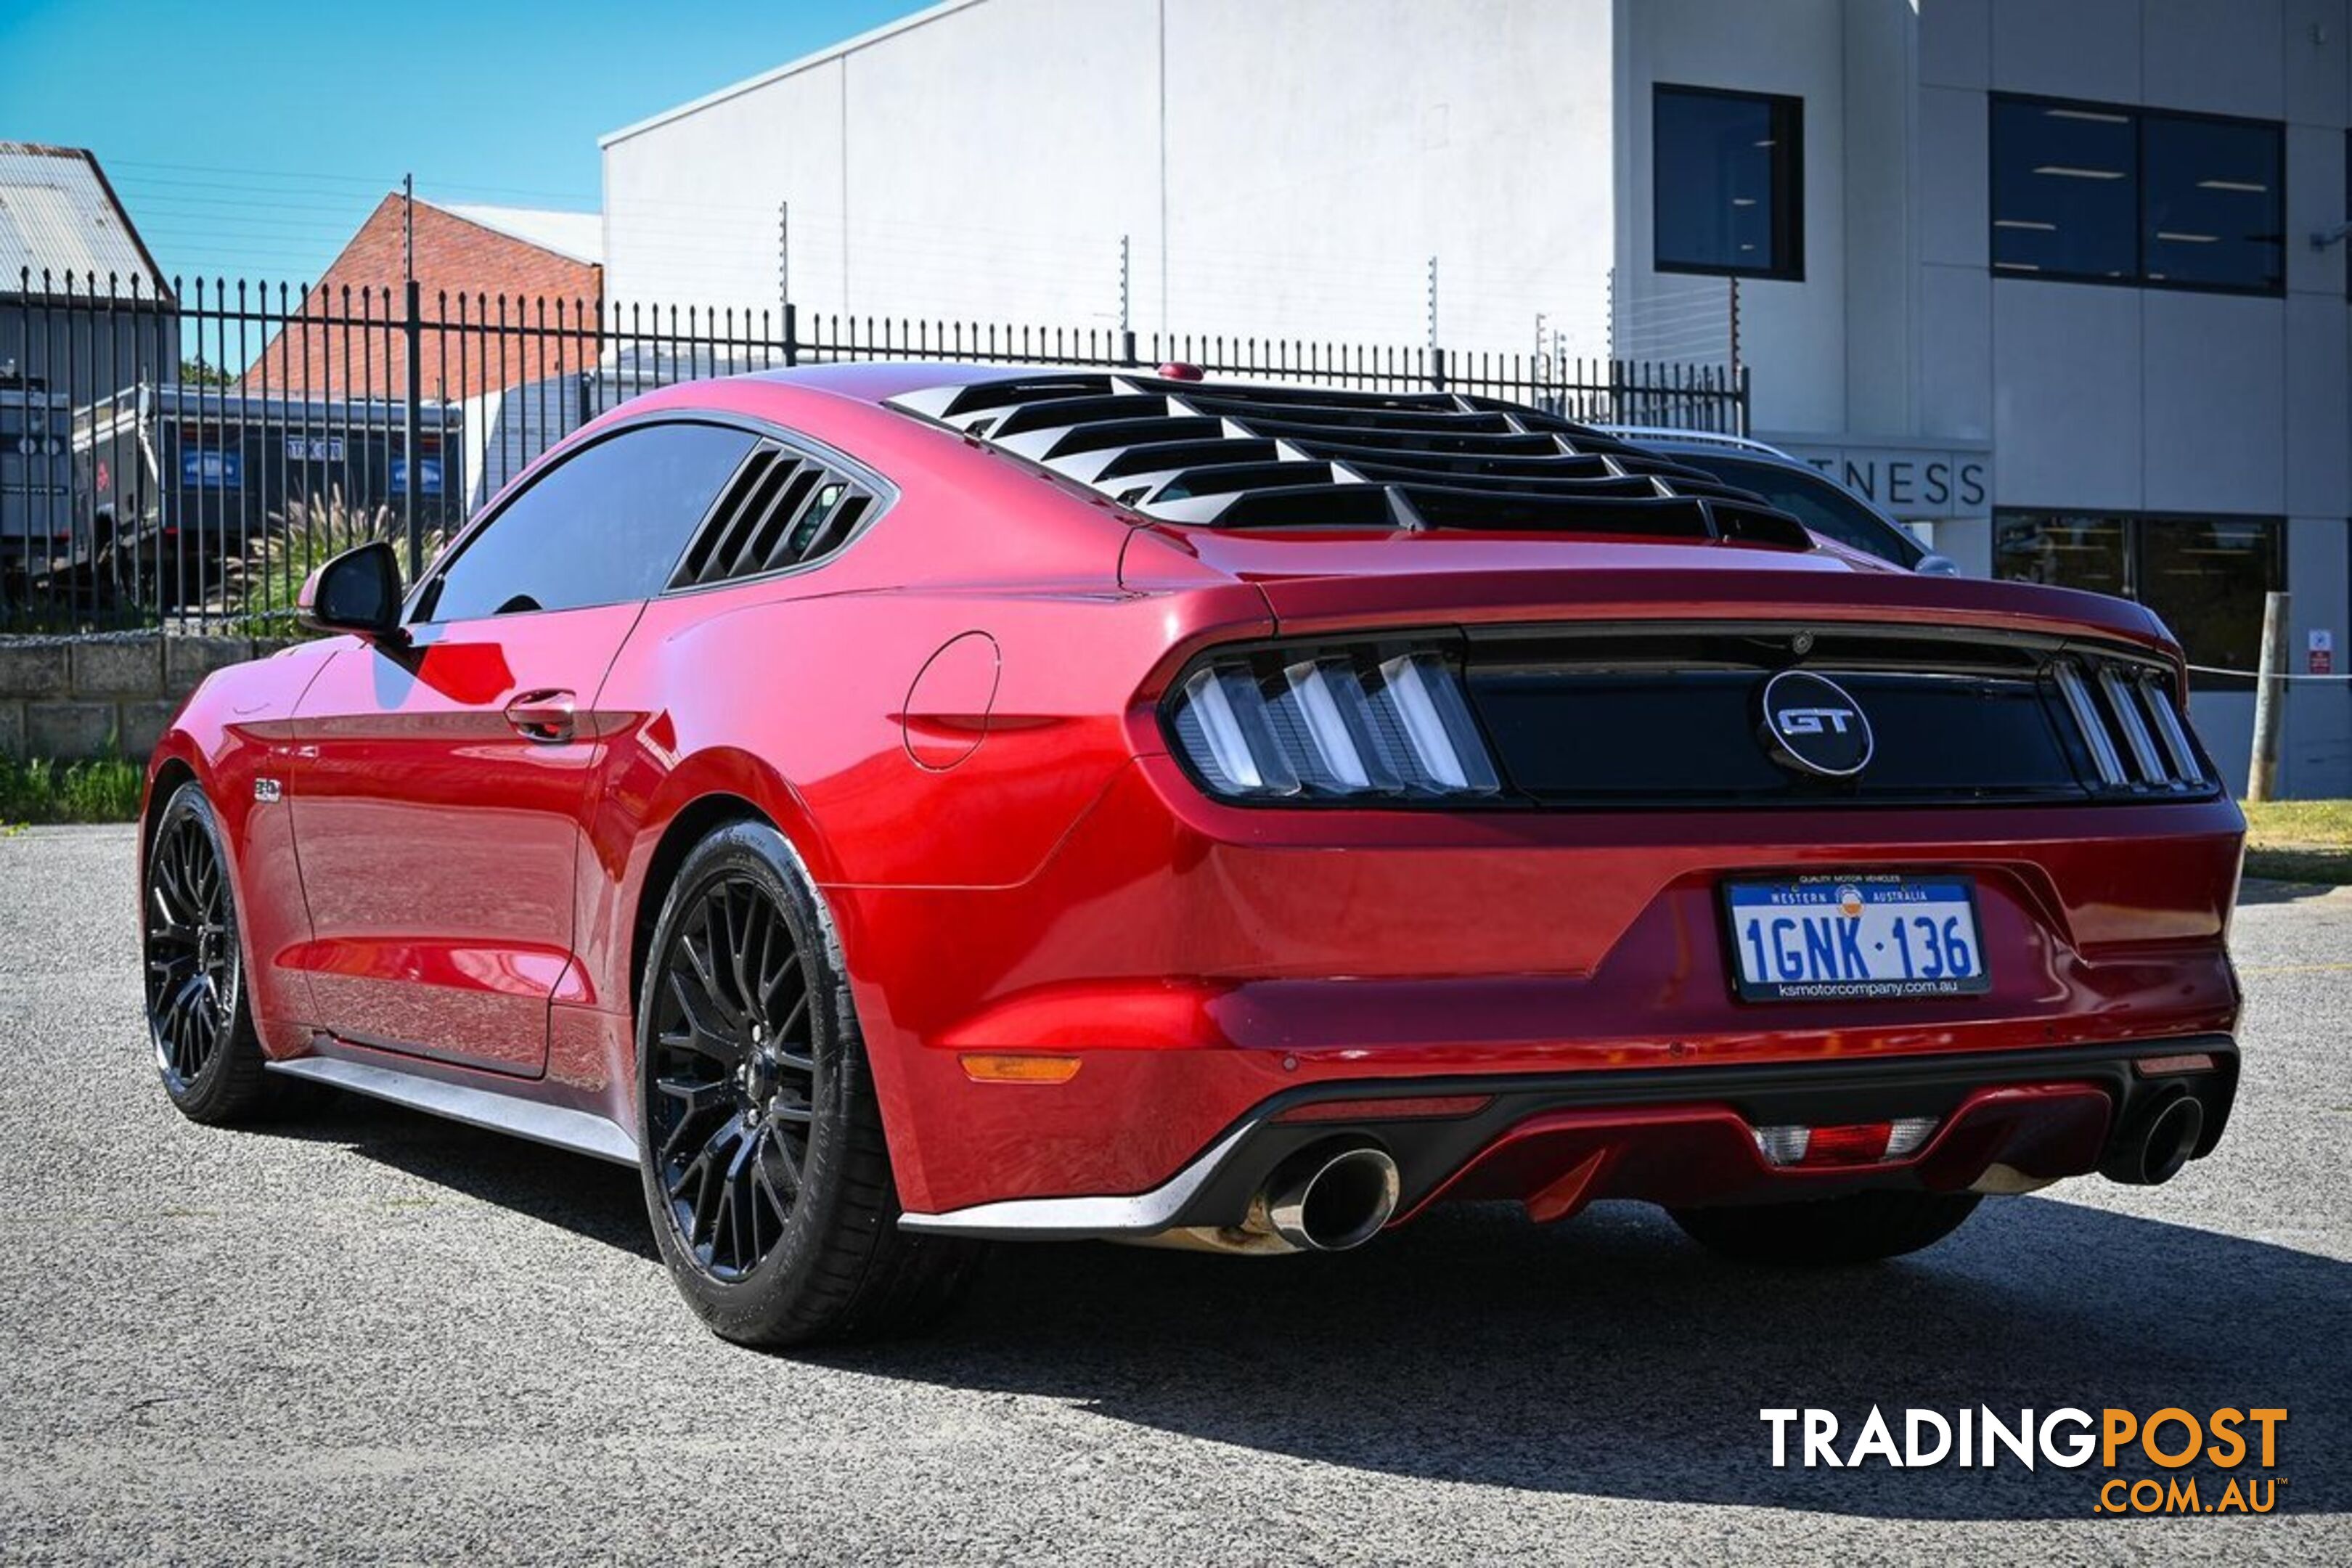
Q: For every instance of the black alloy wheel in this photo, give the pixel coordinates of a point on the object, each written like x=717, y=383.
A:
x=766, y=1173
x=734, y=1075
x=205, y=1049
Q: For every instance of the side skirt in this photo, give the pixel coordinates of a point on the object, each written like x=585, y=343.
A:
x=577, y=1132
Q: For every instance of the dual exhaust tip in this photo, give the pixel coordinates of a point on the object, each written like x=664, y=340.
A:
x=1336, y=1195
x=1329, y=1197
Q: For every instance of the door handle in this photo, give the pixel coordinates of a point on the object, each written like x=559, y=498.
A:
x=547, y=717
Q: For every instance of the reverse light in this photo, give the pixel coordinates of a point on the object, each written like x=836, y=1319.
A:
x=1346, y=723
x=1858, y=1143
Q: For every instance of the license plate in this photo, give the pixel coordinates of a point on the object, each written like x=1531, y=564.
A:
x=1838, y=938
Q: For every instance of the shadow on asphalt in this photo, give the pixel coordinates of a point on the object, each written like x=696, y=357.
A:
x=1606, y=1356
x=2264, y=891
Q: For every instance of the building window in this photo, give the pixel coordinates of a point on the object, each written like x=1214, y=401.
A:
x=2205, y=575
x=2095, y=193
x=1729, y=184
x=2210, y=212
x=2065, y=190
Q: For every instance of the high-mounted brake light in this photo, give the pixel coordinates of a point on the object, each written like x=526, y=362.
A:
x=1332, y=723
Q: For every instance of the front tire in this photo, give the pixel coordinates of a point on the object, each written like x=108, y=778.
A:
x=1859, y=1228
x=759, y=1132
x=198, y=1014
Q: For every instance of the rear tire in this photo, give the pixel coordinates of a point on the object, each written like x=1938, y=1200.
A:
x=765, y=1172
x=1859, y=1228
x=198, y=1014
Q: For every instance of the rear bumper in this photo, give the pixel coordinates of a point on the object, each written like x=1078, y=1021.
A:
x=1679, y=1136
x=1199, y=961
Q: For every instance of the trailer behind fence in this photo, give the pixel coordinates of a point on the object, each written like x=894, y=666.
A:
x=213, y=465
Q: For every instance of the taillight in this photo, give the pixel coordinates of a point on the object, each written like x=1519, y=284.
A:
x=1374, y=722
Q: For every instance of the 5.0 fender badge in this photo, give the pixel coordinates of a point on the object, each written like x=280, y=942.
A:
x=267, y=790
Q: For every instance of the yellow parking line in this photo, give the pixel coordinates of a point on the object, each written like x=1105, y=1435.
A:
x=2289, y=968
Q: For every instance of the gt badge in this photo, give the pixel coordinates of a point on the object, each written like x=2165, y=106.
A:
x=1812, y=724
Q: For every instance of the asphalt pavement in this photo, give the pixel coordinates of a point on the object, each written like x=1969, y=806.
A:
x=364, y=1335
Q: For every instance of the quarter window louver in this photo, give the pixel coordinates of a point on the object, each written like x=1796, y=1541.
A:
x=782, y=508
x=1268, y=457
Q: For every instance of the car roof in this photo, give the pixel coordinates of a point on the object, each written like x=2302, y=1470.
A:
x=879, y=381
x=1668, y=438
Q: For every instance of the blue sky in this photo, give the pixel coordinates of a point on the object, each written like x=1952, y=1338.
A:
x=248, y=138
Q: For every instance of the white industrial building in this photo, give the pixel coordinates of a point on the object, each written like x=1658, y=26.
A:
x=2041, y=274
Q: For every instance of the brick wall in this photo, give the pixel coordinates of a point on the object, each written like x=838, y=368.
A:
x=72, y=698
x=465, y=272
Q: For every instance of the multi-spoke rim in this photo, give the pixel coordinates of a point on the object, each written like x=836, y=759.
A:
x=191, y=973
x=733, y=1076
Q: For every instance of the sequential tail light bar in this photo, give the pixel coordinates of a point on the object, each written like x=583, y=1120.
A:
x=1365, y=723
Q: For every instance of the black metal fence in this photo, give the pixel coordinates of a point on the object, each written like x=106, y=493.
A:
x=185, y=460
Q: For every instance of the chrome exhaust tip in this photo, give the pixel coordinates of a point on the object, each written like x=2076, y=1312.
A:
x=1331, y=1197
x=2157, y=1142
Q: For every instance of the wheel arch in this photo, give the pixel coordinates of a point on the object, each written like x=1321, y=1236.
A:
x=692, y=822
x=170, y=773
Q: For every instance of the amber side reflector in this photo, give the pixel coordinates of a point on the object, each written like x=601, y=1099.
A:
x=984, y=1067
x=2158, y=1067
x=1427, y=1108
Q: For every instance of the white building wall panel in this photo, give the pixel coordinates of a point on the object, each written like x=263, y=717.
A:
x=1792, y=332
x=2215, y=60
x=692, y=209
x=2066, y=396
x=2067, y=48
x=2212, y=401
x=1319, y=152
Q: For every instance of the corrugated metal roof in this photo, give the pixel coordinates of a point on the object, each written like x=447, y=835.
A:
x=57, y=213
x=579, y=236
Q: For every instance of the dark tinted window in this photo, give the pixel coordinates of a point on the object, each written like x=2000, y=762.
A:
x=2063, y=551
x=2205, y=575
x=2210, y=205
x=2065, y=190
x=2116, y=195
x=1728, y=184
x=603, y=527
x=2208, y=577
x=1819, y=503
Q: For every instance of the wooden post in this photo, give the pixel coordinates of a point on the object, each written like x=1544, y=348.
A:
x=2270, y=700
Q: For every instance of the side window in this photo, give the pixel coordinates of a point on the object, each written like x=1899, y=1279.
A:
x=603, y=527
x=1819, y=503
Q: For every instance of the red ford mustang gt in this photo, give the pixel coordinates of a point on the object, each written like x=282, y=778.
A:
x=897, y=806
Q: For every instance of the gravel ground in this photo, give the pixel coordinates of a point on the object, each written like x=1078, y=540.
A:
x=369, y=1336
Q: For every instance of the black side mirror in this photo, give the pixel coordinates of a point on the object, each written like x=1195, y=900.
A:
x=357, y=591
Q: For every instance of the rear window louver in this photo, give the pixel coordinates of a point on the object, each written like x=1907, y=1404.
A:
x=781, y=509
x=1215, y=456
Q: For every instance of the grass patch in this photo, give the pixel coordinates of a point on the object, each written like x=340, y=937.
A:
x=103, y=790
x=2300, y=840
